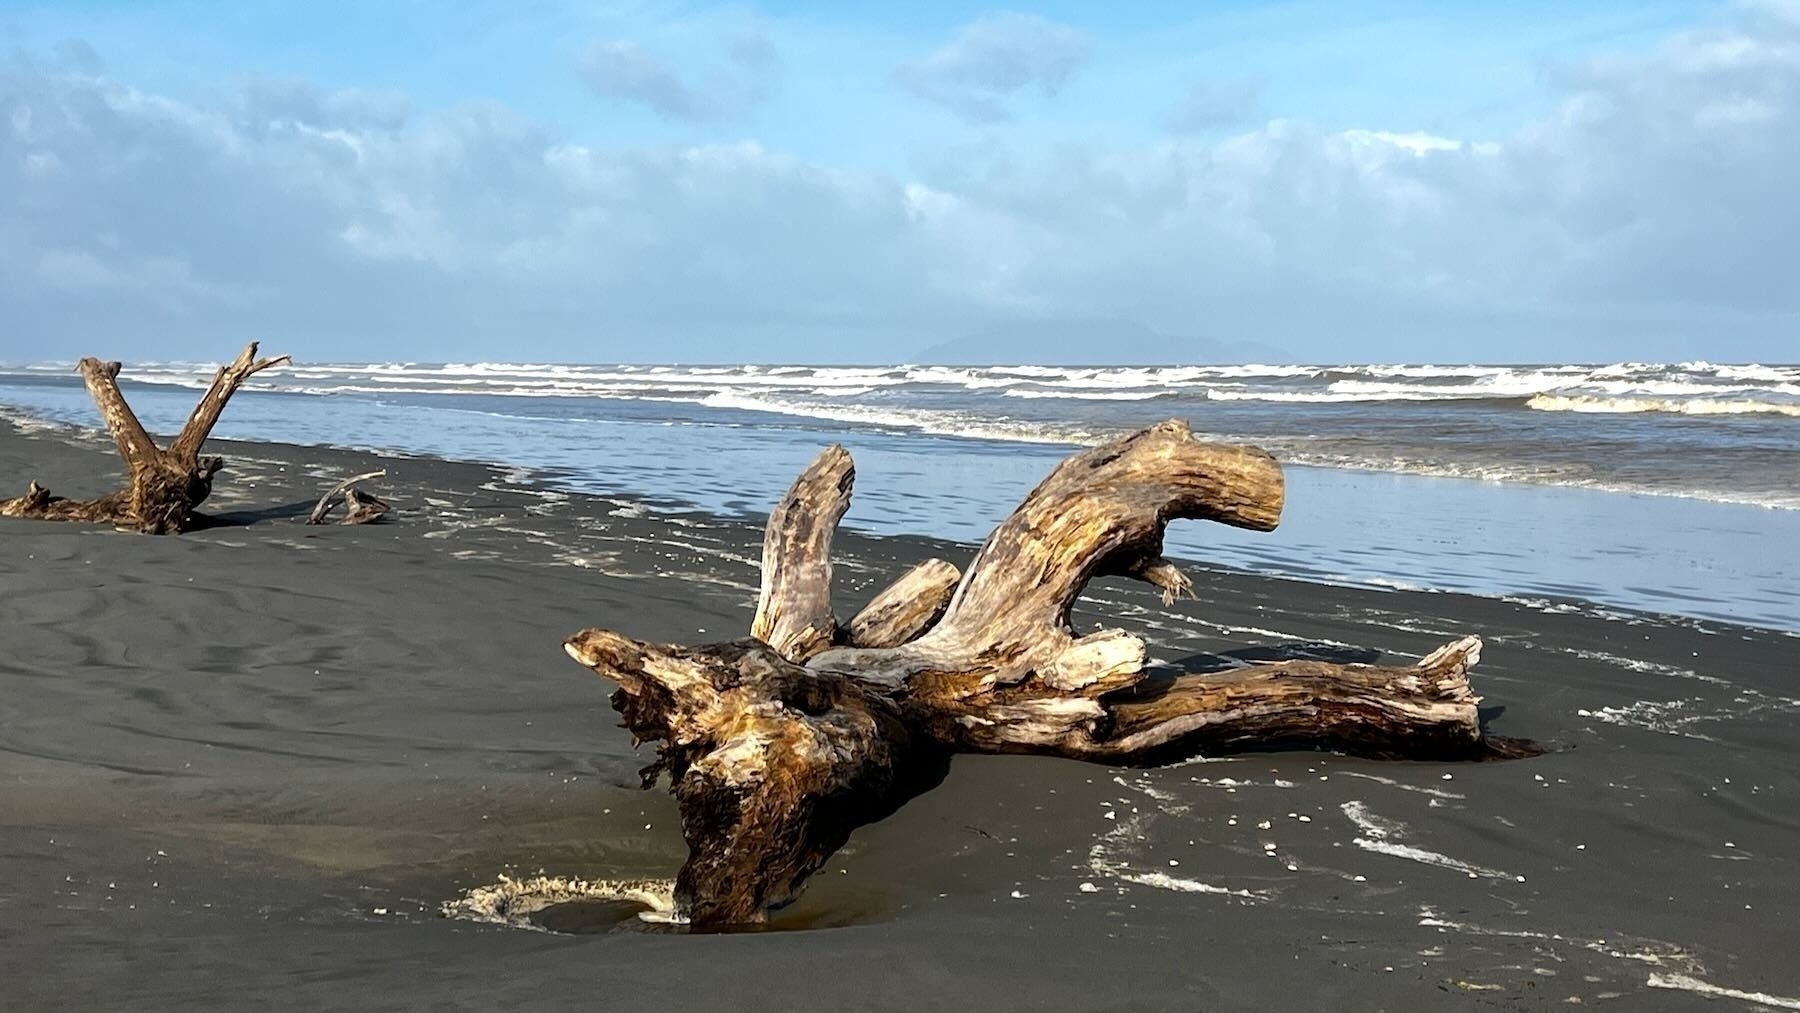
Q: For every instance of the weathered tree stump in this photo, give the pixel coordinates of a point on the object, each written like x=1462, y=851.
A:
x=165, y=484
x=781, y=745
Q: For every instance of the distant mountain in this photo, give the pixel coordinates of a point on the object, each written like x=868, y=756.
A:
x=1090, y=342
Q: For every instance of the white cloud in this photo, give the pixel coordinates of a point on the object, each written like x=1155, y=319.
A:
x=1415, y=141
x=992, y=59
x=1649, y=214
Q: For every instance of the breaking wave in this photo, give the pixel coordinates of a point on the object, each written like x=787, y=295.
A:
x=1467, y=421
x=1685, y=406
x=1696, y=388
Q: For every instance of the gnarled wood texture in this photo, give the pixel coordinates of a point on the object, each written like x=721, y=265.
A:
x=359, y=507
x=906, y=608
x=793, y=612
x=164, y=485
x=782, y=744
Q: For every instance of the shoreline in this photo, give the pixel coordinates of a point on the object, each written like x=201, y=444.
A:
x=1291, y=456
x=254, y=761
x=1187, y=541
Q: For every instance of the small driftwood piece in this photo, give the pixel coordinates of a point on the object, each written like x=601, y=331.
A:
x=779, y=746
x=165, y=485
x=359, y=507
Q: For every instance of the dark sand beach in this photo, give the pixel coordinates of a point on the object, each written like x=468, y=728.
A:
x=247, y=767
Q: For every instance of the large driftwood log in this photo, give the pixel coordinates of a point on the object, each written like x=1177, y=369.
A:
x=164, y=485
x=779, y=746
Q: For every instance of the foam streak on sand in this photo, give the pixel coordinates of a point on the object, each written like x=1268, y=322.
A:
x=1671, y=717
x=1639, y=951
x=1422, y=789
x=1656, y=954
x=1382, y=836
x=1163, y=881
x=1639, y=665
x=1690, y=984
x=1676, y=717
x=1104, y=859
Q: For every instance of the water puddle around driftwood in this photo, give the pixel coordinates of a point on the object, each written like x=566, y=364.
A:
x=571, y=906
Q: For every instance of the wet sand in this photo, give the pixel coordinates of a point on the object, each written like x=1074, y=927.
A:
x=249, y=765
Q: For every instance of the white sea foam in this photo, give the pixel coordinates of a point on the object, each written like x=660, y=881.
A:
x=1692, y=406
x=1638, y=951
x=1382, y=836
x=1108, y=857
x=1678, y=717
x=1752, y=372
x=1490, y=385
x=1164, y=881
x=1403, y=786
x=1688, y=983
x=1651, y=667
x=1088, y=395
x=923, y=420
x=1427, y=371
x=1302, y=396
x=1670, y=717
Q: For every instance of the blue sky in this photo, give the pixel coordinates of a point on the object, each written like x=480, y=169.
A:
x=1402, y=66
x=1378, y=180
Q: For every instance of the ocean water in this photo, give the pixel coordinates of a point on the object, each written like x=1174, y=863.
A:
x=1670, y=489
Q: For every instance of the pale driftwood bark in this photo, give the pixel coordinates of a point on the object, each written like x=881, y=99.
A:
x=793, y=613
x=780, y=745
x=793, y=610
x=165, y=485
x=359, y=507
x=362, y=507
x=1100, y=512
x=906, y=608
x=206, y=413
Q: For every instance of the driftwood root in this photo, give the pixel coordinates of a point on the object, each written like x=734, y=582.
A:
x=164, y=485
x=780, y=745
